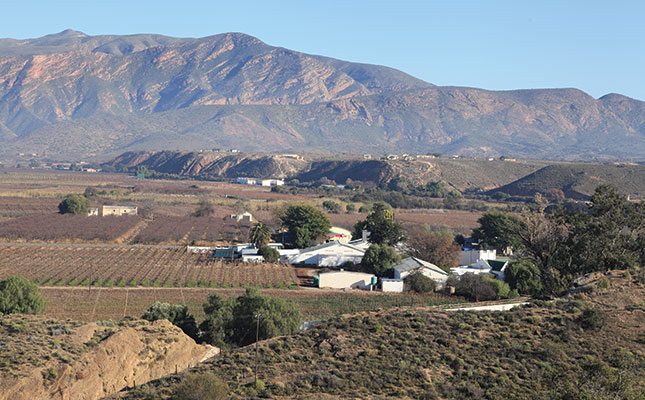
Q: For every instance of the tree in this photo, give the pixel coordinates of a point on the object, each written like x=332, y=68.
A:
x=260, y=235
x=436, y=247
x=524, y=277
x=175, y=313
x=74, y=204
x=277, y=317
x=304, y=223
x=142, y=170
x=204, y=209
x=381, y=225
x=19, y=295
x=233, y=321
x=269, y=253
x=350, y=208
x=498, y=230
x=417, y=282
x=379, y=259
x=331, y=206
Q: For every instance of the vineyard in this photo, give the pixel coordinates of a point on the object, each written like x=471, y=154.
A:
x=48, y=227
x=121, y=266
x=167, y=229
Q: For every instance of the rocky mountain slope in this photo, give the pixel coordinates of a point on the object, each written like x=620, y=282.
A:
x=46, y=359
x=73, y=95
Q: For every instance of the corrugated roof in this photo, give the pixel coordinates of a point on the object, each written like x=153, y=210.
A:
x=412, y=263
x=496, y=265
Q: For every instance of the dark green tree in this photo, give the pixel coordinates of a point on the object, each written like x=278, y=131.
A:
x=382, y=226
x=175, y=313
x=379, y=259
x=19, y=295
x=498, y=230
x=260, y=235
x=475, y=287
x=269, y=253
x=277, y=317
x=524, y=276
x=331, y=206
x=304, y=224
x=74, y=204
x=215, y=327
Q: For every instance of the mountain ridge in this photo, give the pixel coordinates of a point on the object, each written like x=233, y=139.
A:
x=71, y=95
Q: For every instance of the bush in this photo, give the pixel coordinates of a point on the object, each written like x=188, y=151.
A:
x=592, y=319
x=417, y=282
x=175, y=313
x=204, y=386
x=19, y=295
x=350, y=208
x=74, y=204
x=331, y=206
x=502, y=289
x=269, y=253
x=475, y=287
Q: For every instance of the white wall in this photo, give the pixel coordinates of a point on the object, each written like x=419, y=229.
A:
x=469, y=257
x=392, y=285
x=344, y=280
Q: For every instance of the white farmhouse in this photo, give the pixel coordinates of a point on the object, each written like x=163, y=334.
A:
x=471, y=256
x=413, y=264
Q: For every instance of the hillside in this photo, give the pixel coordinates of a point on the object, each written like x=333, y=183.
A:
x=547, y=350
x=47, y=359
x=578, y=181
x=461, y=174
x=70, y=95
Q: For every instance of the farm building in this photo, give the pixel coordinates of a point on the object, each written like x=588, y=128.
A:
x=413, y=264
x=495, y=267
x=245, y=216
x=245, y=181
x=391, y=285
x=119, y=210
x=346, y=280
x=270, y=182
x=471, y=256
x=330, y=254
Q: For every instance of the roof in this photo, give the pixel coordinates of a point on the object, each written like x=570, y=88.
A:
x=412, y=263
x=497, y=265
x=333, y=243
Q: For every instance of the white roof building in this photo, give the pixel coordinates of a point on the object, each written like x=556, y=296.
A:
x=412, y=264
x=330, y=254
x=346, y=280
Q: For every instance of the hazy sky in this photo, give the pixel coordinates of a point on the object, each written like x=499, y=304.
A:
x=596, y=46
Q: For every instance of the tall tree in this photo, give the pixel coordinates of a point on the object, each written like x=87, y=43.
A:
x=497, y=230
x=379, y=259
x=304, y=223
x=74, y=204
x=437, y=247
x=382, y=226
x=260, y=235
x=19, y=295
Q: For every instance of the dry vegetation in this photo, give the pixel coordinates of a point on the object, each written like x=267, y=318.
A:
x=585, y=346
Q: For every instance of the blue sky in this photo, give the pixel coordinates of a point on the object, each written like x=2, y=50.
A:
x=596, y=46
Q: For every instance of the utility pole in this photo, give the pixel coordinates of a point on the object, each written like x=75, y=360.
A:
x=257, y=339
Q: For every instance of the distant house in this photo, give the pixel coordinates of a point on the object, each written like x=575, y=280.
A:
x=330, y=254
x=245, y=181
x=253, y=258
x=270, y=182
x=413, y=264
x=245, y=216
x=119, y=210
x=346, y=280
x=484, y=267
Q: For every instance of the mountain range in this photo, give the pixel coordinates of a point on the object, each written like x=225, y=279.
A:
x=71, y=96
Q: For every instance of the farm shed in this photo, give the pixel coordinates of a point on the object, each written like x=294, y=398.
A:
x=346, y=280
x=391, y=285
x=412, y=264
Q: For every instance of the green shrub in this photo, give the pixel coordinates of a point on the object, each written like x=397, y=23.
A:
x=175, y=313
x=204, y=386
x=502, y=289
x=269, y=253
x=592, y=319
x=74, y=204
x=19, y=295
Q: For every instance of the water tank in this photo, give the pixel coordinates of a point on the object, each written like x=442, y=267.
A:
x=374, y=280
x=316, y=281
